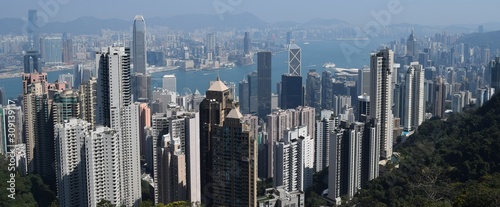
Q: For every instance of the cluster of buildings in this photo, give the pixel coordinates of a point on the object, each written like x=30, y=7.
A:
x=98, y=132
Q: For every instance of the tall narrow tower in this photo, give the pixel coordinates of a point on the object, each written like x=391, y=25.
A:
x=264, y=83
x=294, y=59
x=381, y=67
x=139, y=45
x=115, y=110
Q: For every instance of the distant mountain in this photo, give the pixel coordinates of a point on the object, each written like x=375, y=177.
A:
x=486, y=38
x=11, y=26
x=92, y=25
x=324, y=22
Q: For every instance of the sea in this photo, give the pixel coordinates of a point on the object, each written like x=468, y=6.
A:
x=345, y=54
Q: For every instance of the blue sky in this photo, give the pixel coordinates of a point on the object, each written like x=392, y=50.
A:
x=428, y=12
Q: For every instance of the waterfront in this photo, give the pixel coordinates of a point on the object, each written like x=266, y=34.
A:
x=314, y=55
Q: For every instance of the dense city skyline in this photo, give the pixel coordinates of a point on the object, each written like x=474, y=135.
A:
x=355, y=12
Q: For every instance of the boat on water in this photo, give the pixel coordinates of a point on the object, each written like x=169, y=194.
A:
x=310, y=66
x=329, y=65
x=306, y=43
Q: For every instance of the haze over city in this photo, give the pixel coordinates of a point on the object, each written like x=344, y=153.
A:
x=424, y=12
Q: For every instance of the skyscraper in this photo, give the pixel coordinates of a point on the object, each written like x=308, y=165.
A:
x=32, y=62
x=244, y=96
x=495, y=74
x=234, y=165
x=68, y=79
x=52, y=50
x=142, y=89
x=313, y=90
x=170, y=83
x=210, y=43
x=65, y=106
x=179, y=160
x=103, y=167
x=37, y=125
x=292, y=94
x=247, y=43
x=381, y=69
x=324, y=127
x=139, y=45
x=326, y=90
x=363, y=84
x=411, y=47
x=414, y=97
x=264, y=71
x=88, y=101
x=115, y=110
x=33, y=39
x=213, y=111
x=253, y=87
x=3, y=97
x=71, y=169
x=291, y=155
x=294, y=60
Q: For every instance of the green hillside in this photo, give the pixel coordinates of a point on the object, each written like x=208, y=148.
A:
x=446, y=163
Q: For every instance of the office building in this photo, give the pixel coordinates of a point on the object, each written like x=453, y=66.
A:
x=363, y=108
x=247, y=43
x=67, y=49
x=81, y=75
x=32, y=62
x=65, y=106
x=294, y=60
x=264, y=71
x=170, y=83
x=67, y=79
x=363, y=83
x=139, y=45
x=495, y=74
x=3, y=97
x=292, y=94
x=313, y=90
x=244, y=96
x=253, y=89
x=142, y=89
x=51, y=50
x=210, y=43
x=326, y=90
x=381, y=71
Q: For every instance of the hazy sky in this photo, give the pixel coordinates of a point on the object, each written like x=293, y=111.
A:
x=428, y=12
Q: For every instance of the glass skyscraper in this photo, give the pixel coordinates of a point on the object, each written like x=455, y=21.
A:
x=139, y=45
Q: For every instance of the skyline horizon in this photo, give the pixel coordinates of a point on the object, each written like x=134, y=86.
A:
x=355, y=12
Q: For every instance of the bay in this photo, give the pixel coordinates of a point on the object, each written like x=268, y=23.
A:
x=314, y=55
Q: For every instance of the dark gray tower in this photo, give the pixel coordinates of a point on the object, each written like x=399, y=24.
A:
x=313, y=90
x=264, y=79
x=247, y=43
x=292, y=94
x=32, y=62
x=139, y=45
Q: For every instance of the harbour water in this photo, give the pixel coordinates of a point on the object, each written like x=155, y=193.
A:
x=314, y=55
